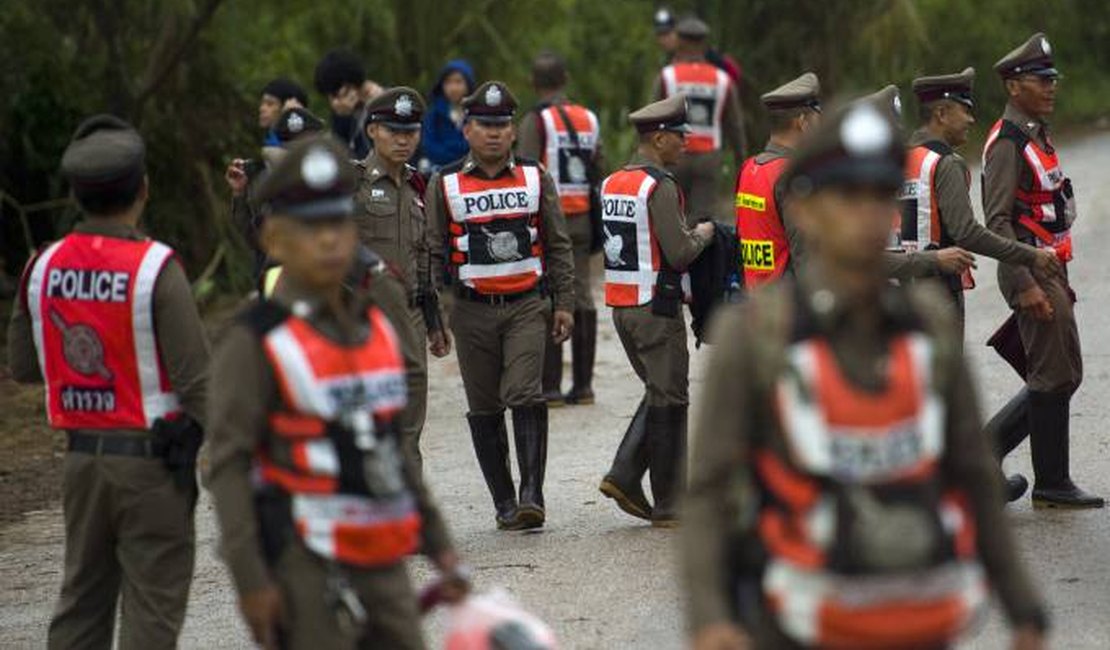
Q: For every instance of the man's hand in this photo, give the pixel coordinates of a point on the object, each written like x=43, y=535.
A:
x=705, y=229
x=1028, y=638
x=954, y=260
x=264, y=610
x=236, y=177
x=721, y=636
x=455, y=584
x=1048, y=263
x=1036, y=301
x=563, y=323
x=439, y=343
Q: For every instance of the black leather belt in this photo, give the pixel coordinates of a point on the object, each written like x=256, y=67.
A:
x=466, y=293
x=97, y=444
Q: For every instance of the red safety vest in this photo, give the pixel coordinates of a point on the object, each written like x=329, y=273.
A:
x=706, y=88
x=632, y=256
x=91, y=302
x=764, y=247
x=333, y=445
x=495, y=229
x=1047, y=209
x=568, y=159
x=919, y=226
x=857, y=463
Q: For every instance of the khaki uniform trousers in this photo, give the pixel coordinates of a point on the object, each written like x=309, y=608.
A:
x=129, y=537
x=1054, y=360
x=581, y=234
x=656, y=348
x=500, y=349
x=413, y=427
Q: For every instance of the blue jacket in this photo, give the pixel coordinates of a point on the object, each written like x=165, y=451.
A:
x=441, y=141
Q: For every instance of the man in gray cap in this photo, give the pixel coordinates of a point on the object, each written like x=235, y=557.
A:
x=106, y=319
x=716, y=122
x=1028, y=198
x=647, y=248
x=766, y=238
x=319, y=502
x=496, y=228
x=389, y=212
x=837, y=410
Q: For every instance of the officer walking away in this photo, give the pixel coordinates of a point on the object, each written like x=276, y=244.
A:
x=666, y=38
x=341, y=77
x=106, y=319
x=494, y=224
x=839, y=441
x=389, y=212
x=766, y=237
x=1027, y=197
x=318, y=502
x=716, y=123
x=565, y=138
x=647, y=247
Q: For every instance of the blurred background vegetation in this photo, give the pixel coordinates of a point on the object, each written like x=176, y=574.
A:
x=188, y=73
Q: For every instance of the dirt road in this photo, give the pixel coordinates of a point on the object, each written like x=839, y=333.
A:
x=603, y=580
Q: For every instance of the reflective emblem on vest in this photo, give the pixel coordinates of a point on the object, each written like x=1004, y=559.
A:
x=862, y=551
x=920, y=224
x=764, y=248
x=90, y=300
x=631, y=252
x=494, y=229
x=333, y=448
x=706, y=88
x=569, y=165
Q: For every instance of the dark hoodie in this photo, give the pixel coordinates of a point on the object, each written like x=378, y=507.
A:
x=442, y=141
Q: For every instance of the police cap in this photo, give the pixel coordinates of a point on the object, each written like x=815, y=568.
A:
x=105, y=153
x=803, y=92
x=400, y=108
x=295, y=123
x=663, y=20
x=956, y=87
x=888, y=100
x=665, y=115
x=315, y=180
x=491, y=102
x=692, y=28
x=1034, y=56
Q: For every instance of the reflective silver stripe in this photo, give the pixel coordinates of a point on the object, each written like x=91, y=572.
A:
x=587, y=140
x=1044, y=181
x=297, y=373
x=718, y=117
x=156, y=402
x=925, y=200
x=669, y=84
x=644, y=276
x=35, y=288
x=319, y=514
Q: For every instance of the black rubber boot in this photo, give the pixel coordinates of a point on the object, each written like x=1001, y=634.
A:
x=491, y=445
x=583, y=345
x=666, y=430
x=1005, y=431
x=1049, y=423
x=1015, y=487
x=530, y=433
x=552, y=375
x=624, y=481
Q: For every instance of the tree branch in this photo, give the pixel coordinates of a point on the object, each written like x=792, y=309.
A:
x=161, y=71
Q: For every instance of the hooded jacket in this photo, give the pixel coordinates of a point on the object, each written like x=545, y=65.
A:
x=442, y=141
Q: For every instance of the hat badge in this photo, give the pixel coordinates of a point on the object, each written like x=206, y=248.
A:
x=295, y=123
x=403, y=106
x=898, y=106
x=1045, y=47
x=493, y=96
x=865, y=132
x=662, y=16
x=319, y=169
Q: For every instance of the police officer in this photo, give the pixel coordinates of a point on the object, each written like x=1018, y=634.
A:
x=495, y=225
x=716, y=122
x=565, y=138
x=874, y=539
x=1027, y=197
x=647, y=247
x=389, y=212
x=106, y=319
x=765, y=236
x=318, y=502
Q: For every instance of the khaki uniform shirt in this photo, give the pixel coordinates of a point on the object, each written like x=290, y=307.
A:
x=239, y=414
x=558, y=262
x=737, y=412
x=182, y=343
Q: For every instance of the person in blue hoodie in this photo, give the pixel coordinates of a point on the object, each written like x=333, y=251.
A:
x=442, y=140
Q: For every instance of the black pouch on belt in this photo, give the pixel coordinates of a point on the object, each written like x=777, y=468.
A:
x=668, y=294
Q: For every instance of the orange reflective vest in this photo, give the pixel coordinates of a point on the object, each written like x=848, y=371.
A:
x=1047, y=209
x=494, y=229
x=91, y=302
x=706, y=88
x=866, y=548
x=632, y=255
x=568, y=157
x=764, y=247
x=333, y=446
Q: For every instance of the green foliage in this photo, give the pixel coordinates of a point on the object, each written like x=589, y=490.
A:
x=188, y=72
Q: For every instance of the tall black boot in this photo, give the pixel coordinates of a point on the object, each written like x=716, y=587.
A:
x=491, y=445
x=583, y=345
x=624, y=481
x=666, y=430
x=530, y=433
x=1049, y=424
x=552, y=375
x=1005, y=431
